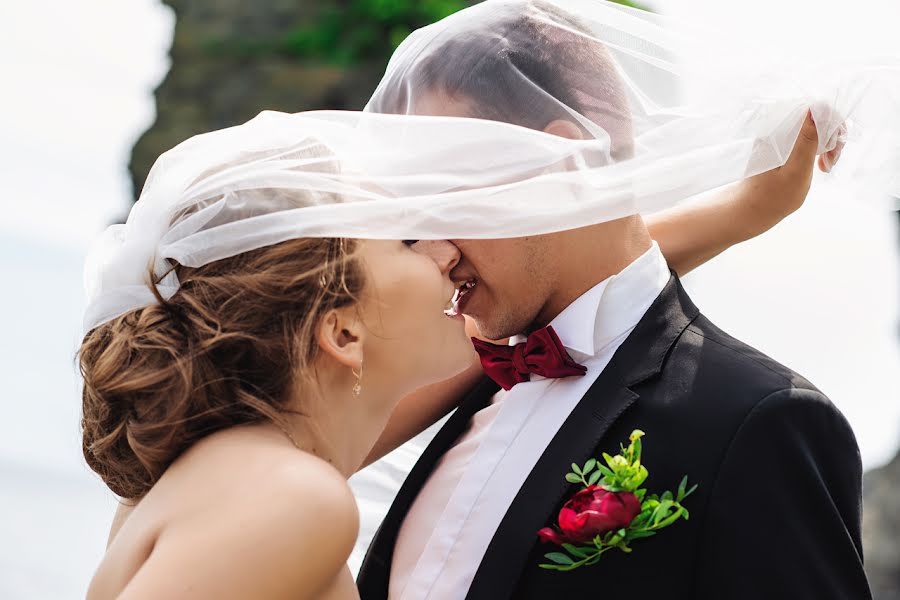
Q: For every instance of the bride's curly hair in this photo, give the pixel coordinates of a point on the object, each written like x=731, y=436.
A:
x=226, y=349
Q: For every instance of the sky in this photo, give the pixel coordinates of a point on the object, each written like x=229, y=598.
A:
x=819, y=293
x=78, y=80
x=77, y=94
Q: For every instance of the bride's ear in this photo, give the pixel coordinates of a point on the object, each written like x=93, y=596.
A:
x=340, y=334
x=564, y=128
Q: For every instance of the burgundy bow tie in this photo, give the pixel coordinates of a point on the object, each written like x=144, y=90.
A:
x=542, y=353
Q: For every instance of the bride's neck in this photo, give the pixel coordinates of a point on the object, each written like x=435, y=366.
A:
x=334, y=424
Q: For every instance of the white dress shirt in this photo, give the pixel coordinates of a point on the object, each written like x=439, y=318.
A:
x=453, y=519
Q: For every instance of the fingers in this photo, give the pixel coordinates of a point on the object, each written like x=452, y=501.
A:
x=808, y=141
x=803, y=154
x=808, y=132
x=827, y=160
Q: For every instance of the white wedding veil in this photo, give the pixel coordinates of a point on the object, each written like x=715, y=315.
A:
x=509, y=118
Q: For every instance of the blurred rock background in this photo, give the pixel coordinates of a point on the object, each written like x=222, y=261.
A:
x=881, y=525
x=881, y=529
x=233, y=58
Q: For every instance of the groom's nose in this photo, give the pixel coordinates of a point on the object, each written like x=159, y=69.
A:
x=442, y=252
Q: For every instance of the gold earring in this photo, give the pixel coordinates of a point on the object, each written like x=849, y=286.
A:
x=357, y=389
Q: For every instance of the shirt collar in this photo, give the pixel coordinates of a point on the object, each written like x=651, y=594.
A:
x=612, y=307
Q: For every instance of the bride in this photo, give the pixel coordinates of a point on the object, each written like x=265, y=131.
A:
x=229, y=414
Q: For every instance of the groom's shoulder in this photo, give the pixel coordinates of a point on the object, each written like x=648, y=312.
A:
x=719, y=354
x=732, y=388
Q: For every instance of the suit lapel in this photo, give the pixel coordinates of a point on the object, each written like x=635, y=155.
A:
x=641, y=356
x=376, y=567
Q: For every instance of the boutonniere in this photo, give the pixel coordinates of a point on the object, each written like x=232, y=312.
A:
x=612, y=510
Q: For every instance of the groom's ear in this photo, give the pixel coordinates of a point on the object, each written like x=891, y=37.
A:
x=564, y=128
x=340, y=334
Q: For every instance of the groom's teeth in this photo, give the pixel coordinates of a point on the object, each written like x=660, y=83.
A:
x=461, y=291
x=466, y=286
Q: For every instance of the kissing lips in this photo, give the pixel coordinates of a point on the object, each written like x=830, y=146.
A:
x=464, y=294
x=460, y=298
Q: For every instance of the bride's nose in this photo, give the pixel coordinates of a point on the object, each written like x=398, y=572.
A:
x=443, y=253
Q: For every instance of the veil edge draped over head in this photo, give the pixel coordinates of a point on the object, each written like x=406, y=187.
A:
x=507, y=119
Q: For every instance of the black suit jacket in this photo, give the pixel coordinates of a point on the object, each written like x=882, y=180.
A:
x=778, y=509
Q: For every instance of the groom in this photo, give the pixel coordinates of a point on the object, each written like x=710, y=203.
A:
x=777, y=510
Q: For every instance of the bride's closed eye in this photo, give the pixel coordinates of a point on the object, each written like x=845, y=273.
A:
x=410, y=242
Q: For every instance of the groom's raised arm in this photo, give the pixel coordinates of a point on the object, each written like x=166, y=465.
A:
x=784, y=518
x=697, y=232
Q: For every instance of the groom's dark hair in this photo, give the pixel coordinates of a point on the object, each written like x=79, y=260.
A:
x=512, y=62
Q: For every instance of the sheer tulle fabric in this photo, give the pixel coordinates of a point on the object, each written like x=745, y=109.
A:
x=509, y=118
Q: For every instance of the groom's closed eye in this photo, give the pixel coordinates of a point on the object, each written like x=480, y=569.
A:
x=410, y=242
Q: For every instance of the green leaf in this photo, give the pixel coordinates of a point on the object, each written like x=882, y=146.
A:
x=690, y=491
x=681, y=488
x=643, y=473
x=589, y=466
x=608, y=459
x=636, y=535
x=640, y=520
x=576, y=469
x=579, y=552
x=671, y=518
x=595, y=476
x=650, y=503
x=606, y=471
x=573, y=478
x=667, y=496
x=559, y=558
x=637, y=449
x=661, y=511
x=640, y=494
x=619, y=463
x=635, y=481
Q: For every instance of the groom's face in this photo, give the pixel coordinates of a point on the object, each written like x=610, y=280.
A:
x=507, y=281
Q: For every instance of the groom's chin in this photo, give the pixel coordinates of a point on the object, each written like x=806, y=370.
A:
x=492, y=330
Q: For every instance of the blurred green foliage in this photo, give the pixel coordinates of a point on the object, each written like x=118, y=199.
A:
x=355, y=31
x=350, y=32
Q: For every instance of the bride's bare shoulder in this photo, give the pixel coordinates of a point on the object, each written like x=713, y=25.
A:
x=295, y=495
x=277, y=522
x=252, y=473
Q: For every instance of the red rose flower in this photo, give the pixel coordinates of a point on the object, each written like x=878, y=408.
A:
x=591, y=512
